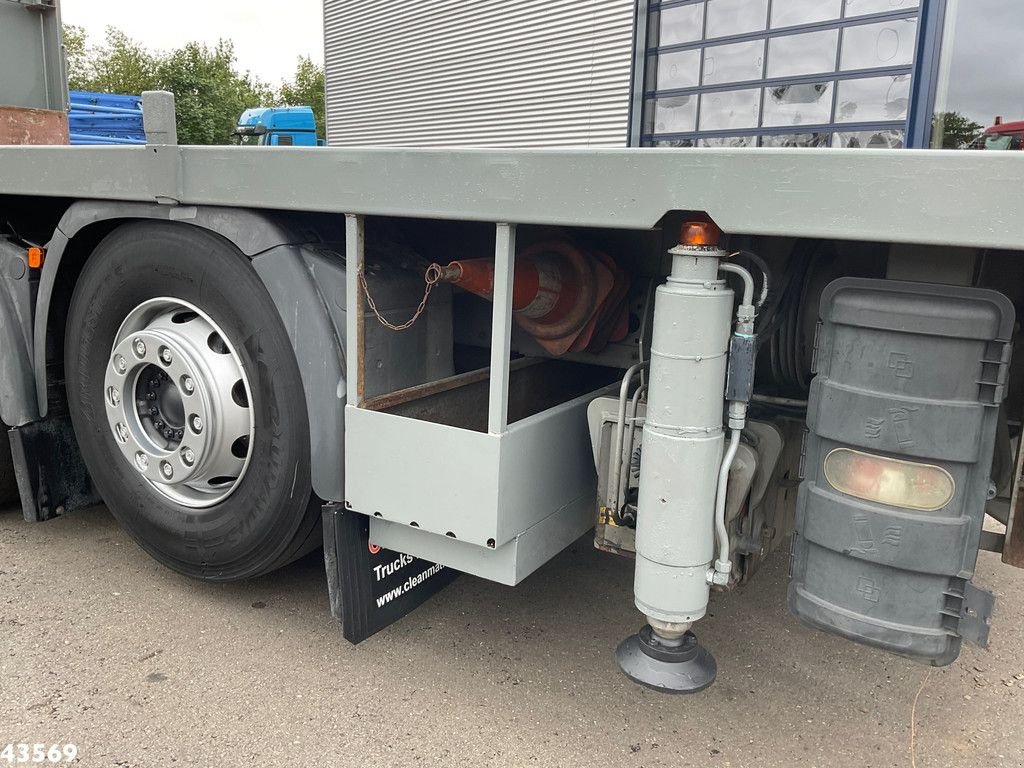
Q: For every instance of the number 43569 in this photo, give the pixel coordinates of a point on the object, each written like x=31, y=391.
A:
x=13, y=754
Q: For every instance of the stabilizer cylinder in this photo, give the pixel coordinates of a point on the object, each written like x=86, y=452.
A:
x=683, y=438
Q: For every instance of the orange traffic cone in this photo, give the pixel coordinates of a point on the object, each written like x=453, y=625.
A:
x=557, y=291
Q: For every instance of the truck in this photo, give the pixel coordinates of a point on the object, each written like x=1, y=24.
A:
x=278, y=127
x=1001, y=136
x=440, y=361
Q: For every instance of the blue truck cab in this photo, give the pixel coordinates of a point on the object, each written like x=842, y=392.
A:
x=278, y=127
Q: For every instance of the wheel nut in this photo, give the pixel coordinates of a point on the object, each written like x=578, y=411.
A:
x=122, y=433
x=140, y=347
x=188, y=385
x=166, y=470
x=114, y=396
x=142, y=461
x=120, y=364
x=196, y=423
x=188, y=457
x=165, y=355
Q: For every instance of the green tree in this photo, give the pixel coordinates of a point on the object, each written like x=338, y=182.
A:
x=121, y=65
x=76, y=56
x=306, y=89
x=209, y=94
x=953, y=130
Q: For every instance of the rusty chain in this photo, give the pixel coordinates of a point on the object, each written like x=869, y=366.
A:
x=431, y=277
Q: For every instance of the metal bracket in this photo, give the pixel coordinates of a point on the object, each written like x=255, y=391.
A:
x=976, y=615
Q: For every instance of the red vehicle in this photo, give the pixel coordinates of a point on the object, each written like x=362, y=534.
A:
x=1001, y=136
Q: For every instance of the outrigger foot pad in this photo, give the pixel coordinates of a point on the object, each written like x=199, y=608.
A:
x=684, y=667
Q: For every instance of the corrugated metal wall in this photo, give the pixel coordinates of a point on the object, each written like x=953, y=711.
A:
x=508, y=73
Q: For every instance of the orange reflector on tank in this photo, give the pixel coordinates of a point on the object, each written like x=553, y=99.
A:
x=906, y=484
x=700, y=232
x=35, y=257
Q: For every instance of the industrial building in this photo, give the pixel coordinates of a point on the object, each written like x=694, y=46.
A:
x=682, y=73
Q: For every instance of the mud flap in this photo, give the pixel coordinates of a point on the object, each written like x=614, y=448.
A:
x=905, y=403
x=51, y=476
x=370, y=588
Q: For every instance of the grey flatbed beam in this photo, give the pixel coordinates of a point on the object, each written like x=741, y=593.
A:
x=928, y=197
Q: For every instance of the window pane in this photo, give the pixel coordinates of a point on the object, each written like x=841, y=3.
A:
x=671, y=143
x=889, y=44
x=734, y=63
x=671, y=114
x=678, y=70
x=873, y=99
x=797, y=140
x=736, y=17
x=886, y=139
x=681, y=24
x=806, y=104
x=806, y=54
x=788, y=13
x=862, y=7
x=729, y=109
x=984, y=58
x=728, y=141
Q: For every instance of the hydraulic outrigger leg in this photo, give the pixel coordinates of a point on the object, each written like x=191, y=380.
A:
x=683, y=444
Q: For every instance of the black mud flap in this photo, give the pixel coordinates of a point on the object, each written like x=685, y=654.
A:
x=51, y=476
x=371, y=587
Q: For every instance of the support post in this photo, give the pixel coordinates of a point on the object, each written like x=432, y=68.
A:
x=355, y=237
x=501, y=328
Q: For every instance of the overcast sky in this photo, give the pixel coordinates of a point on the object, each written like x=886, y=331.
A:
x=987, y=66
x=268, y=36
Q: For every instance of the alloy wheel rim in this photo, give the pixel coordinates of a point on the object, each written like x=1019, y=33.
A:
x=178, y=402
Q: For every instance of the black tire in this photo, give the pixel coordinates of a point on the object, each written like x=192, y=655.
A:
x=272, y=517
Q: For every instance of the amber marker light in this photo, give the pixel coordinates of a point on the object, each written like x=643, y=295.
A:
x=700, y=233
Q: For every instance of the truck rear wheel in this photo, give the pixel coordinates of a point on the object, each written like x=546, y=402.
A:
x=187, y=403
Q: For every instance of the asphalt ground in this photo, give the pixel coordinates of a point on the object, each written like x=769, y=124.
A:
x=102, y=647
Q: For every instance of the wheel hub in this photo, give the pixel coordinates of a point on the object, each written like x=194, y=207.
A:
x=178, y=402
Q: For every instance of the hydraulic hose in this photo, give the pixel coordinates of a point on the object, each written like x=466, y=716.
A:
x=723, y=565
x=748, y=280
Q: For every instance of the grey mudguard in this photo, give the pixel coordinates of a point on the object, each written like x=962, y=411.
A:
x=17, y=387
x=308, y=287
x=913, y=372
x=303, y=281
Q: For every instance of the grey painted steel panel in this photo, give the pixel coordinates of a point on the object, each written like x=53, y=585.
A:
x=31, y=58
x=408, y=471
x=925, y=196
x=485, y=489
x=510, y=73
x=508, y=564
